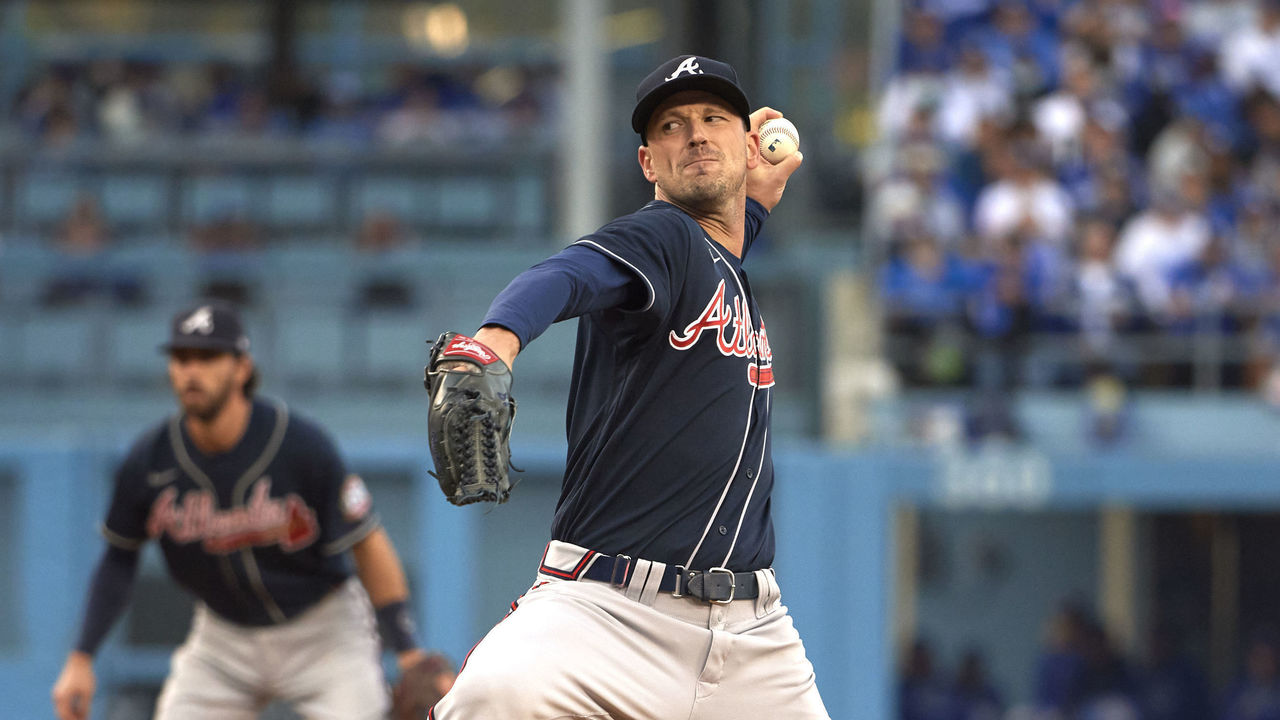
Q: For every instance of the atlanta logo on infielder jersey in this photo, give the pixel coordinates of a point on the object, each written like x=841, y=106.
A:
x=287, y=522
x=734, y=336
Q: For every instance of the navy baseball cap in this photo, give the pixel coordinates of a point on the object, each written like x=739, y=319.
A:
x=687, y=72
x=210, y=325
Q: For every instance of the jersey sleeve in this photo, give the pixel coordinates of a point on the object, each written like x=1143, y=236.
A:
x=756, y=215
x=345, y=504
x=108, y=594
x=575, y=281
x=653, y=244
x=125, y=526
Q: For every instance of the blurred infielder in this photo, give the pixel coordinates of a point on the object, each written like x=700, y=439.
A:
x=655, y=598
x=255, y=514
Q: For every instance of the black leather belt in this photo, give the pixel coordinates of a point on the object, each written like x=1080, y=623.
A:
x=715, y=585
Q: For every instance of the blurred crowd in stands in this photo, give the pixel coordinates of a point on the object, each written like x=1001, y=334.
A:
x=1094, y=172
x=1065, y=192
x=1082, y=674
x=229, y=247
x=135, y=101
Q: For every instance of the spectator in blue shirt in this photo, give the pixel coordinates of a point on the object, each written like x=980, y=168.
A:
x=1171, y=686
x=1060, y=667
x=922, y=45
x=922, y=288
x=923, y=285
x=1015, y=41
x=922, y=693
x=1206, y=97
x=975, y=698
x=1208, y=292
x=1256, y=696
x=1106, y=686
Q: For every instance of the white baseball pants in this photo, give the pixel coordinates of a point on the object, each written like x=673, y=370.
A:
x=586, y=649
x=326, y=663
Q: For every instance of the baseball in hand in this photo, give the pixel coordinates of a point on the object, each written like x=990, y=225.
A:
x=778, y=139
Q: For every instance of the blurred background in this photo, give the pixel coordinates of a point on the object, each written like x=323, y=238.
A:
x=1025, y=290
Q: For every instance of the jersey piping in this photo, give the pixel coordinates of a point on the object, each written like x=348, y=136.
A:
x=268, y=454
x=119, y=540
x=746, y=435
x=348, y=541
x=653, y=295
x=764, y=445
x=242, y=488
x=198, y=477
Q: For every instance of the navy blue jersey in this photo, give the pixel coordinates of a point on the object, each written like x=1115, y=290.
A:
x=258, y=533
x=668, y=414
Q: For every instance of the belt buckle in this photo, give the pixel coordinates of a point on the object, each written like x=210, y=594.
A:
x=614, y=580
x=733, y=583
x=680, y=579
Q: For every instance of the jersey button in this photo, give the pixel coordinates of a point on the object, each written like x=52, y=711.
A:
x=750, y=473
x=723, y=530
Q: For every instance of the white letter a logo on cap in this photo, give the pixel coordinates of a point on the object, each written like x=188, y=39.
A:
x=689, y=65
x=200, y=321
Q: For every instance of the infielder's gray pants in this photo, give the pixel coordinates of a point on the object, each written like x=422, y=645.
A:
x=585, y=649
x=326, y=664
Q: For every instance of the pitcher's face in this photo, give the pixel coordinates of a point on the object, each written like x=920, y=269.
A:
x=698, y=151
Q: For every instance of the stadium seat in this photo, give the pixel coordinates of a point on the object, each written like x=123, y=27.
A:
x=469, y=202
x=310, y=272
x=260, y=324
x=61, y=345
x=25, y=266
x=301, y=201
x=395, y=349
x=407, y=268
x=239, y=276
x=166, y=267
x=45, y=196
x=134, y=201
x=214, y=197
x=527, y=205
x=133, y=341
x=311, y=345
x=410, y=200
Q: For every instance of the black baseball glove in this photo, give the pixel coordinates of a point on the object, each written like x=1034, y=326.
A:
x=420, y=687
x=469, y=420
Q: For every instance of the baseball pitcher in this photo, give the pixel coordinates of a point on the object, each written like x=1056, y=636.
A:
x=655, y=598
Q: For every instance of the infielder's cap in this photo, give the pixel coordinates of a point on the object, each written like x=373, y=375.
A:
x=687, y=72
x=210, y=325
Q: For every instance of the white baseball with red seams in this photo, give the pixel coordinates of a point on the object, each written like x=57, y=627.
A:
x=778, y=139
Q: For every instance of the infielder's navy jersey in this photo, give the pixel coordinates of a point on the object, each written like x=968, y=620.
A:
x=258, y=533
x=668, y=414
